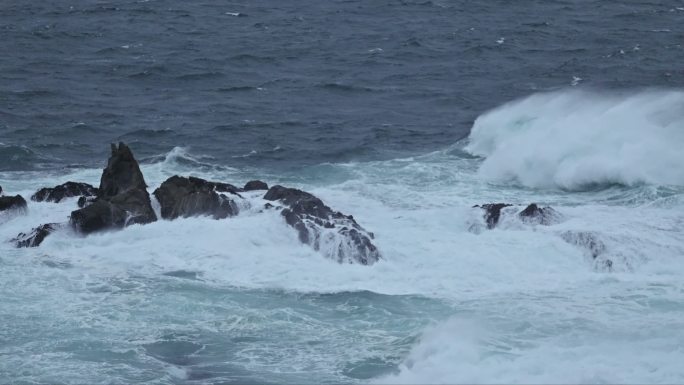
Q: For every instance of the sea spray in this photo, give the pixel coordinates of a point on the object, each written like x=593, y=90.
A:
x=581, y=139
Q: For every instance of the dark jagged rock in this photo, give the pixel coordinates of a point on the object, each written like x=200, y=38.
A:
x=534, y=214
x=122, y=173
x=492, y=213
x=66, y=190
x=122, y=198
x=0, y=190
x=85, y=201
x=187, y=197
x=531, y=215
x=36, y=236
x=255, y=185
x=12, y=203
x=319, y=226
x=221, y=187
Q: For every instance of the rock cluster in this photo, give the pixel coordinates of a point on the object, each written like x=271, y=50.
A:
x=67, y=190
x=313, y=219
x=188, y=197
x=122, y=200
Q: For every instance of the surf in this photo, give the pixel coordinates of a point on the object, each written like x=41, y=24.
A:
x=581, y=139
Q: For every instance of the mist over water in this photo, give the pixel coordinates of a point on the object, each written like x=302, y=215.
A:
x=402, y=114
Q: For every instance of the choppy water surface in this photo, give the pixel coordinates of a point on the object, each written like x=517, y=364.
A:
x=404, y=114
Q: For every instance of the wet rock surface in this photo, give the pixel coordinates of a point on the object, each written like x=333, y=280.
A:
x=338, y=235
x=492, y=213
x=533, y=214
x=36, y=236
x=122, y=198
x=66, y=190
x=187, y=197
x=16, y=202
x=530, y=215
x=255, y=185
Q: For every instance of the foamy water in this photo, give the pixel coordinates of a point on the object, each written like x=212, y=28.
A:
x=241, y=300
x=576, y=139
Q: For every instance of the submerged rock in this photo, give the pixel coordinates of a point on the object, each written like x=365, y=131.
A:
x=587, y=240
x=338, y=235
x=16, y=202
x=592, y=245
x=36, y=236
x=492, y=213
x=531, y=215
x=122, y=198
x=255, y=185
x=85, y=201
x=66, y=190
x=187, y=197
x=534, y=214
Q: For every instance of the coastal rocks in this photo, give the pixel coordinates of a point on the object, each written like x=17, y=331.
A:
x=535, y=215
x=339, y=236
x=591, y=244
x=101, y=215
x=67, y=190
x=253, y=185
x=36, y=236
x=531, y=215
x=122, y=198
x=85, y=201
x=492, y=213
x=188, y=197
x=16, y=202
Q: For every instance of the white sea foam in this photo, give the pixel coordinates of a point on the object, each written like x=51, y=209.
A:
x=575, y=139
x=527, y=305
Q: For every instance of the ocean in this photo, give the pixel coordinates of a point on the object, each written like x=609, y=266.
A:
x=404, y=114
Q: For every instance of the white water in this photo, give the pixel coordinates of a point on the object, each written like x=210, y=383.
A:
x=579, y=138
x=518, y=304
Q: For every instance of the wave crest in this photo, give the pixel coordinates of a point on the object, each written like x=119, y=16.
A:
x=579, y=139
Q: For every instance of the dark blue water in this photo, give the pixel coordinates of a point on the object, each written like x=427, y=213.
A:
x=302, y=82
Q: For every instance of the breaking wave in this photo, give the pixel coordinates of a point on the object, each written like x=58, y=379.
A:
x=578, y=139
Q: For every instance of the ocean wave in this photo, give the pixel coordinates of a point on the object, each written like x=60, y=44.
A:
x=462, y=350
x=21, y=158
x=579, y=139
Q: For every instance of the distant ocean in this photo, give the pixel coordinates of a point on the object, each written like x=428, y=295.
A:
x=404, y=114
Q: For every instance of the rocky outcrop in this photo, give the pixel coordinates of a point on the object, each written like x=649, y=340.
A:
x=492, y=213
x=0, y=190
x=536, y=215
x=188, y=197
x=86, y=201
x=339, y=236
x=531, y=215
x=67, y=190
x=122, y=198
x=253, y=185
x=16, y=202
x=36, y=236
